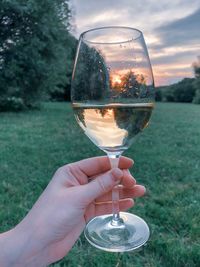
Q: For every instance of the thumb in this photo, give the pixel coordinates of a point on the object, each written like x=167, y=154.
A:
x=101, y=185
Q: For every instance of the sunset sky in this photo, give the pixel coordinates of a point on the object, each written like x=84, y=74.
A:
x=171, y=29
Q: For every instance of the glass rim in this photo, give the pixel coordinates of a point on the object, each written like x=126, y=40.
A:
x=83, y=34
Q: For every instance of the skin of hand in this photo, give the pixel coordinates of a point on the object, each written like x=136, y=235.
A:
x=76, y=193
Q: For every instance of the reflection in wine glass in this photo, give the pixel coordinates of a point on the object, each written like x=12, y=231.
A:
x=112, y=127
x=113, y=97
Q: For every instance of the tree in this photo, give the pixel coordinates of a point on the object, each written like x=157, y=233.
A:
x=91, y=78
x=184, y=90
x=131, y=85
x=196, y=66
x=34, y=47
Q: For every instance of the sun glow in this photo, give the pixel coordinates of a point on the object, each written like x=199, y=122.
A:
x=116, y=79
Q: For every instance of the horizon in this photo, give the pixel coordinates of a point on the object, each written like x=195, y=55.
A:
x=172, y=36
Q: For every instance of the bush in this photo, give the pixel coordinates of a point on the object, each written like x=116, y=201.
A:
x=183, y=91
x=11, y=103
x=158, y=94
x=196, y=99
x=196, y=84
x=168, y=94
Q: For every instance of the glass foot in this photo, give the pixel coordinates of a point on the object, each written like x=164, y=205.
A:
x=131, y=234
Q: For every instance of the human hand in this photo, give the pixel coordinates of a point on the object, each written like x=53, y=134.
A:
x=76, y=193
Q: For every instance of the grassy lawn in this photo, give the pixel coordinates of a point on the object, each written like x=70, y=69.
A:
x=167, y=161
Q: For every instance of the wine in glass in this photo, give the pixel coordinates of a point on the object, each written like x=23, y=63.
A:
x=113, y=98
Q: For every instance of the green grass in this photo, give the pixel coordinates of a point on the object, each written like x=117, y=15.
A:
x=167, y=161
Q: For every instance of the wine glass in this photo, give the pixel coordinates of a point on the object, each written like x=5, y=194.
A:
x=112, y=98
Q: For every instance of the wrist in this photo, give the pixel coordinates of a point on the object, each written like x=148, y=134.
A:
x=19, y=249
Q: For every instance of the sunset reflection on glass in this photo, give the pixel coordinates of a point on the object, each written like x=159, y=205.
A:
x=94, y=125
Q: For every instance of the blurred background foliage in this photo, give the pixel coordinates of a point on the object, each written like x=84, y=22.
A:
x=37, y=53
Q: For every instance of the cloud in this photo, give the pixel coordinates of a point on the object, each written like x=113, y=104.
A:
x=175, y=48
x=171, y=28
x=175, y=58
x=145, y=15
x=180, y=32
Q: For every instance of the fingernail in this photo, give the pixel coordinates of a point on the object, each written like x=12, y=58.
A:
x=131, y=176
x=144, y=188
x=134, y=181
x=132, y=161
x=116, y=174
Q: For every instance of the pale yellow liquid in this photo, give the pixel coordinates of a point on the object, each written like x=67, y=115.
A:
x=112, y=127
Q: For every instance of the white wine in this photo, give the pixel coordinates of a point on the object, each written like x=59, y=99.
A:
x=112, y=127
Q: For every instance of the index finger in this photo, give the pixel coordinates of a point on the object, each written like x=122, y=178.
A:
x=98, y=165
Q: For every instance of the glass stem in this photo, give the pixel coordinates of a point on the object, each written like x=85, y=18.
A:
x=116, y=220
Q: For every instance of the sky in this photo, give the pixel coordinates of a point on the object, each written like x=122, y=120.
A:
x=171, y=29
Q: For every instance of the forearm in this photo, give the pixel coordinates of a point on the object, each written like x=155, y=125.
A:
x=17, y=250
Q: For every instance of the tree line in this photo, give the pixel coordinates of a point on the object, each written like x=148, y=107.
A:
x=187, y=90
